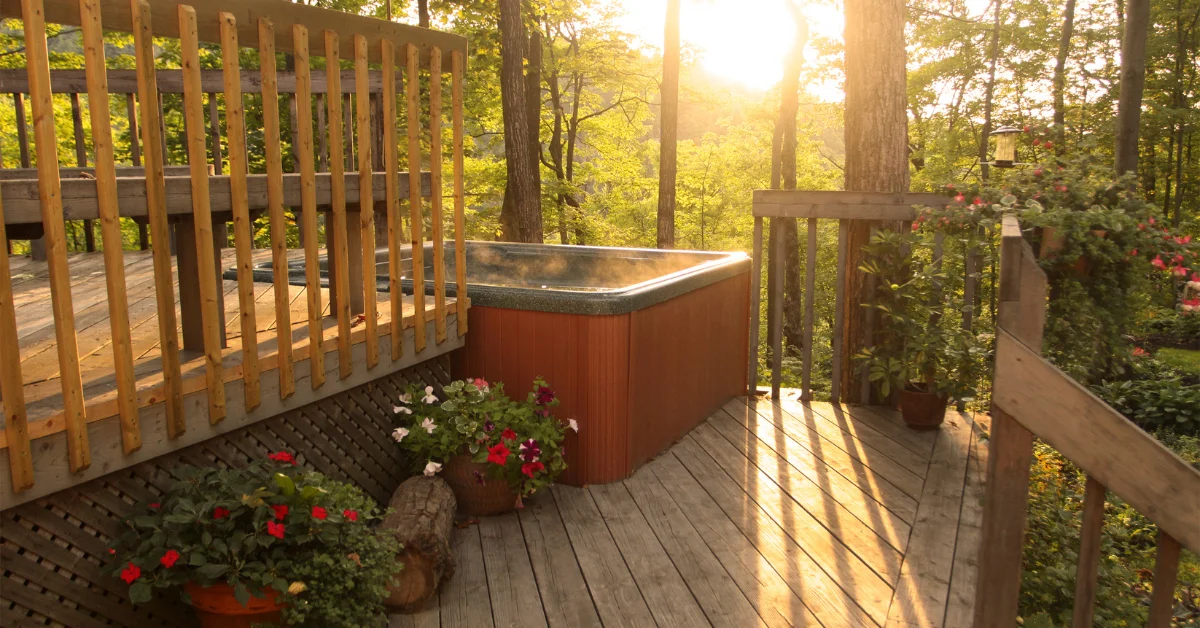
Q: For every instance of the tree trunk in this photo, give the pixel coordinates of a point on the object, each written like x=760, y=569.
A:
x=1060, y=78
x=772, y=276
x=533, y=108
x=989, y=92
x=876, y=132
x=423, y=13
x=521, y=214
x=1133, y=83
x=422, y=518
x=793, y=329
x=669, y=129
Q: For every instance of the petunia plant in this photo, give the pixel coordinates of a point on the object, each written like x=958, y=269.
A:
x=259, y=528
x=520, y=442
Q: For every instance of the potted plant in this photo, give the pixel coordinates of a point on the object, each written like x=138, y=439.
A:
x=922, y=359
x=491, y=450
x=268, y=544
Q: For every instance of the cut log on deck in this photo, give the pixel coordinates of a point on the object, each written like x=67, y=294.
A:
x=422, y=518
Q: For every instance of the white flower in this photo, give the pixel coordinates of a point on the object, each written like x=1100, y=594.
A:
x=432, y=467
x=401, y=410
x=429, y=425
x=399, y=434
x=573, y=424
x=406, y=398
x=1195, y=285
x=429, y=396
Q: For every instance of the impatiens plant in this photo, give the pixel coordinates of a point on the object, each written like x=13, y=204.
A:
x=271, y=525
x=520, y=441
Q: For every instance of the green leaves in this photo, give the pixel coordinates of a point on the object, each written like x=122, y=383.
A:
x=285, y=484
x=212, y=571
x=140, y=592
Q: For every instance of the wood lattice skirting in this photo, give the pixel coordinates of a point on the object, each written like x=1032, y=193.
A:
x=52, y=550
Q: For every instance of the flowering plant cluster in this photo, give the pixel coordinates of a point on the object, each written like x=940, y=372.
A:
x=264, y=526
x=521, y=442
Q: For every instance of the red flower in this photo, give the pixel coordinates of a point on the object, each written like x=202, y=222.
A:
x=220, y=512
x=977, y=201
x=1179, y=271
x=275, y=529
x=350, y=515
x=283, y=457
x=529, y=468
x=508, y=434
x=960, y=198
x=131, y=573
x=544, y=395
x=155, y=506
x=498, y=454
x=1152, y=220
x=1158, y=263
x=1049, y=145
x=112, y=551
x=1139, y=352
x=319, y=513
x=168, y=559
x=1141, y=226
x=1037, y=142
x=1133, y=253
x=1026, y=128
x=281, y=511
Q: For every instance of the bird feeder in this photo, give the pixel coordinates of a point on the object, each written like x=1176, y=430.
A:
x=1006, y=147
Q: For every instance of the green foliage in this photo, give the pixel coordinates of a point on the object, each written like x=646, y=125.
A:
x=914, y=347
x=1183, y=360
x=269, y=525
x=1155, y=394
x=521, y=440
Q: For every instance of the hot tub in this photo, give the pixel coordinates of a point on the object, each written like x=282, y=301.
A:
x=640, y=345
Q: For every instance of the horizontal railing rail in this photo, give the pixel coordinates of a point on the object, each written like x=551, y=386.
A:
x=1032, y=398
x=356, y=140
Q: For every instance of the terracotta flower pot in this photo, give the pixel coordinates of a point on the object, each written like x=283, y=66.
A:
x=216, y=607
x=922, y=410
x=475, y=499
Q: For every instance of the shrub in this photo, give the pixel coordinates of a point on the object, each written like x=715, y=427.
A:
x=1152, y=404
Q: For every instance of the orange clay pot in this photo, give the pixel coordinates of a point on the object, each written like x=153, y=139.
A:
x=216, y=607
x=493, y=497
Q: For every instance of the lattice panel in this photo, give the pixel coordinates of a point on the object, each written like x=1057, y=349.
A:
x=52, y=550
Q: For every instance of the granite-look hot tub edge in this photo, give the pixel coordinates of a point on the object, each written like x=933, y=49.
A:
x=554, y=278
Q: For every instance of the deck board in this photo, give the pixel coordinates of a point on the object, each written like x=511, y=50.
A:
x=761, y=516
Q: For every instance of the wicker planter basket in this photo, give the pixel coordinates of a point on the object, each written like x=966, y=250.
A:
x=492, y=497
x=922, y=410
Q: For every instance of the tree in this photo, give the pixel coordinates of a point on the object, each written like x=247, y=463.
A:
x=521, y=215
x=669, y=129
x=1060, y=78
x=876, y=136
x=789, y=106
x=1133, y=83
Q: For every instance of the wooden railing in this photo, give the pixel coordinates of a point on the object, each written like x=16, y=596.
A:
x=351, y=201
x=876, y=208
x=1031, y=398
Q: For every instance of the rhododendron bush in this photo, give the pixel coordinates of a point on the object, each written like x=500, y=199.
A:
x=271, y=525
x=520, y=442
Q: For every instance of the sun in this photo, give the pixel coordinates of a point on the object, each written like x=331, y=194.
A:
x=744, y=41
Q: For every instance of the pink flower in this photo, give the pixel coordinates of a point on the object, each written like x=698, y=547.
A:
x=283, y=457
x=544, y=395
x=1061, y=188
x=168, y=559
x=498, y=454
x=529, y=468
x=432, y=468
x=131, y=573
x=960, y=198
x=112, y=551
x=1179, y=271
x=281, y=511
x=319, y=513
x=1037, y=142
x=428, y=425
x=977, y=201
x=508, y=434
x=220, y=512
x=530, y=451
x=1183, y=239
x=1133, y=253
x=1142, y=226
x=1152, y=220
x=350, y=515
x=1158, y=263
x=275, y=529
x=481, y=384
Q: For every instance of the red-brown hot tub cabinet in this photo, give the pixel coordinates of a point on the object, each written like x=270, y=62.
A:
x=637, y=380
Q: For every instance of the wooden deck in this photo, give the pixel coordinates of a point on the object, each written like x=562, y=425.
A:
x=765, y=515
x=35, y=326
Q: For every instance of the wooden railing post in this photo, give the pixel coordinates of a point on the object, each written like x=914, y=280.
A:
x=1022, y=313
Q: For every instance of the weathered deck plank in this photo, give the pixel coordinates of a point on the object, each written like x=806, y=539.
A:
x=464, y=600
x=511, y=585
x=565, y=596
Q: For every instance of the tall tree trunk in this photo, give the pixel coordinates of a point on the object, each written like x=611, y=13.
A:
x=989, y=92
x=789, y=106
x=1060, y=78
x=1133, y=83
x=533, y=107
x=521, y=214
x=423, y=13
x=876, y=133
x=772, y=236
x=669, y=129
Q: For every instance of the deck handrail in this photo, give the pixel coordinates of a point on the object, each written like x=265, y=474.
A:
x=270, y=26
x=1032, y=398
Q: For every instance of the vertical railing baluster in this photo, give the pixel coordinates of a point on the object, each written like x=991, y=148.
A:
x=339, y=260
x=412, y=84
x=81, y=160
x=755, y=307
x=775, y=302
x=1090, y=533
x=50, y=195
x=16, y=428
x=839, y=310
x=366, y=198
x=243, y=236
x=435, y=193
x=308, y=205
x=460, y=244
x=110, y=223
x=193, y=108
x=391, y=165
x=156, y=210
x=810, y=282
x=1166, y=574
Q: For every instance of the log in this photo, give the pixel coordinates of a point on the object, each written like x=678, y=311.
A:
x=422, y=518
